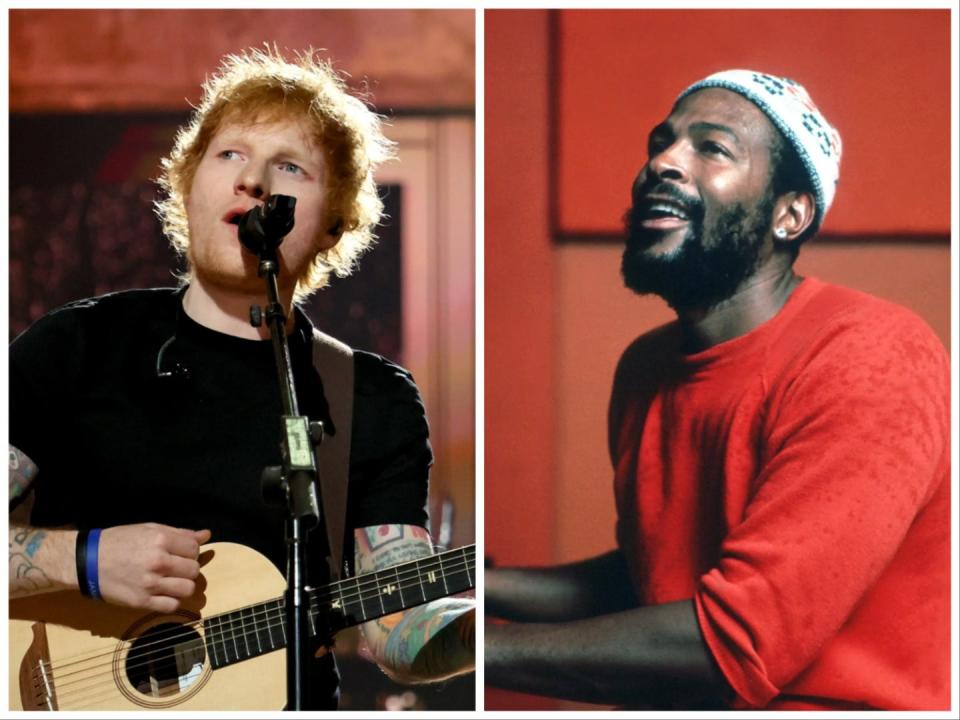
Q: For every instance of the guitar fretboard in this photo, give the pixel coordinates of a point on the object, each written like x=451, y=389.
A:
x=258, y=629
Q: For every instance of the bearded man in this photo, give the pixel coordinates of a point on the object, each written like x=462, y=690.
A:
x=167, y=410
x=781, y=453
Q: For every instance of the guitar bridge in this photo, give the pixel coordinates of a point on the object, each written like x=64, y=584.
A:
x=37, y=691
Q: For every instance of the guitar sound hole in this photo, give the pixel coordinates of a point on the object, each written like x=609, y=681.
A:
x=167, y=659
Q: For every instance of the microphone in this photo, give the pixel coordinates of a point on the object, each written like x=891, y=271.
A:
x=264, y=227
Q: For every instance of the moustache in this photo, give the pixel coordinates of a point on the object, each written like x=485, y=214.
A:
x=693, y=206
x=638, y=236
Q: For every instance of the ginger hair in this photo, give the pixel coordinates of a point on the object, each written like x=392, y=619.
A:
x=263, y=86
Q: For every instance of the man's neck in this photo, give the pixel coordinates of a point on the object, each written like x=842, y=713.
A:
x=228, y=311
x=755, y=302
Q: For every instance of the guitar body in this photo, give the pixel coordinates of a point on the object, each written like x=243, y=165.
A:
x=221, y=650
x=69, y=652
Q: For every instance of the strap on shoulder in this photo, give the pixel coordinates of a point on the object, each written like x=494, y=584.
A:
x=333, y=360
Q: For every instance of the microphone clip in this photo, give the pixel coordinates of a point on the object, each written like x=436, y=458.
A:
x=177, y=375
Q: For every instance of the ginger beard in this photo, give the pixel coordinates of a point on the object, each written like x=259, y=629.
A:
x=712, y=260
x=242, y=166
x=226, y=265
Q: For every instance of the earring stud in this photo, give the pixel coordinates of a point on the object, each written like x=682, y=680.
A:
x=780, y=233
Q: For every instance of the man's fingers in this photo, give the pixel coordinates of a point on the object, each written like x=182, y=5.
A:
x=198, y=536
x=150, y=565
x=174, y=587
x=162, y=604
x=180, y=567
x=184, y=543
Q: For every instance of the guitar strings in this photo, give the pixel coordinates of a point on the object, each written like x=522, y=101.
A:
x=361, y=590
x=317, y=597
x=277, y=613
x=269, y=615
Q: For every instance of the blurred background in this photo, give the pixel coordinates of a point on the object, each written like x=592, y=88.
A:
x=570, y=97
x=96, y=97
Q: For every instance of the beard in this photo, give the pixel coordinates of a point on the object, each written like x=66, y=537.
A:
x=225, y=267
x=229, y=266
x=711, y=261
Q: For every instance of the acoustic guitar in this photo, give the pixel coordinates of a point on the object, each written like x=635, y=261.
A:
x=220, y=650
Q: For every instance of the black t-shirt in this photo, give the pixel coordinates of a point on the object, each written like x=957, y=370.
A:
x=116, y=444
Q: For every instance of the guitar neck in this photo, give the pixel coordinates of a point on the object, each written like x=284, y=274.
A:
x=258, y=629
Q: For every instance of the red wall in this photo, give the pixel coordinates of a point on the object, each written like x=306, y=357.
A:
x=519, y=415
x=882, y=77
x=515, y=218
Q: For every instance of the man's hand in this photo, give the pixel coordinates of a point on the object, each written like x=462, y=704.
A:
x=149, y=566
x=146, y=566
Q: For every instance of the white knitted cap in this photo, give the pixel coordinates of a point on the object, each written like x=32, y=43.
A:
x=790, y=108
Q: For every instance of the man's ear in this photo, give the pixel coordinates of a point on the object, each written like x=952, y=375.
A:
x=332, y=236
x=793, y=213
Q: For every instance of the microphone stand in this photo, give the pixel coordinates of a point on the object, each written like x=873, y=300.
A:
x=261, y=231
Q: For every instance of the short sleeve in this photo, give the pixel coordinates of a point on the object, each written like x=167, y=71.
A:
x=391, y=454
x=45, y=366
x=857, y=443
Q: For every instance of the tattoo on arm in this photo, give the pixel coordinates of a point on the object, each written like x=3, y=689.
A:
x=26, y=577
x=434, y=641
x=22, y=472
x=387, y=545
x=412, y=645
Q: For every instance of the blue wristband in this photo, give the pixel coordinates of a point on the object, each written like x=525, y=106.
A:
x=91, y=565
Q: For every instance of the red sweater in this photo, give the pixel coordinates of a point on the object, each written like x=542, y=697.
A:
x=795, y=482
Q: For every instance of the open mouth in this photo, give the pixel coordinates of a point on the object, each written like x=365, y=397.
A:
x=663, y=212
x=234, y=216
